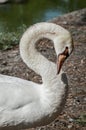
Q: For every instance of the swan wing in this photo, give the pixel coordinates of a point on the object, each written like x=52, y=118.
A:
x=16, y=92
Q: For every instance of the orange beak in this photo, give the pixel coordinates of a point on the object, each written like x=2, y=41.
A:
x=61, y=58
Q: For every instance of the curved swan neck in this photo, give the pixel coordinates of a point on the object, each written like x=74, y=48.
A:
x=28, y=52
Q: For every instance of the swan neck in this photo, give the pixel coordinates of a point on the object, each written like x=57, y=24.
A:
x=30, y=55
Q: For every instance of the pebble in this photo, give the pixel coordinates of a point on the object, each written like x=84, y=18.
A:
x=69, y=126
x=4, y=63
x=71, y=120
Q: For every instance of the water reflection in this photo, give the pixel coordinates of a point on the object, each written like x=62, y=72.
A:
x=14, y=16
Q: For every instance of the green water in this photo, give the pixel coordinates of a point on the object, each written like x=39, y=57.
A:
x=14, y=18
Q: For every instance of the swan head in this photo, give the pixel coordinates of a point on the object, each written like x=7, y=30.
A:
x=63, y=47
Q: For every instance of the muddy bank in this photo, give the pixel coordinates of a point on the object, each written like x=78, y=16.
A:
x=73, y=116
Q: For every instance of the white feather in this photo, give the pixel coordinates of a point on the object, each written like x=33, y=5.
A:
x=24, y=104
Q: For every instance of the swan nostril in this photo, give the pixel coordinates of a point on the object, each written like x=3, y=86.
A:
x=66, y=52
x=66, y=47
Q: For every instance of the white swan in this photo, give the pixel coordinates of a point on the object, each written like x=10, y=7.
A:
x=24, y=104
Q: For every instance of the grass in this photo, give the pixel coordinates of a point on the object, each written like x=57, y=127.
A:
x=10, y=39
x=81, y=120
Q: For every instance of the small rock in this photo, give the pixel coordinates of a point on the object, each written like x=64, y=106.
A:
x=65, y=22
x=71, y=120
x=4, y=63
x=69, y=126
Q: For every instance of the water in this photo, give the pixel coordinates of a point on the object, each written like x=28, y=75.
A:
x=14, y=16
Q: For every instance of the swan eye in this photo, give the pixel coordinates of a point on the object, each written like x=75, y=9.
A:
x=66, y=52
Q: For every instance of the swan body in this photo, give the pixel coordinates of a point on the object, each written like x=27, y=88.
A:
x=24, y=104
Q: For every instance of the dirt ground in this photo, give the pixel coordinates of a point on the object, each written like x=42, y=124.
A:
x=73, y=117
